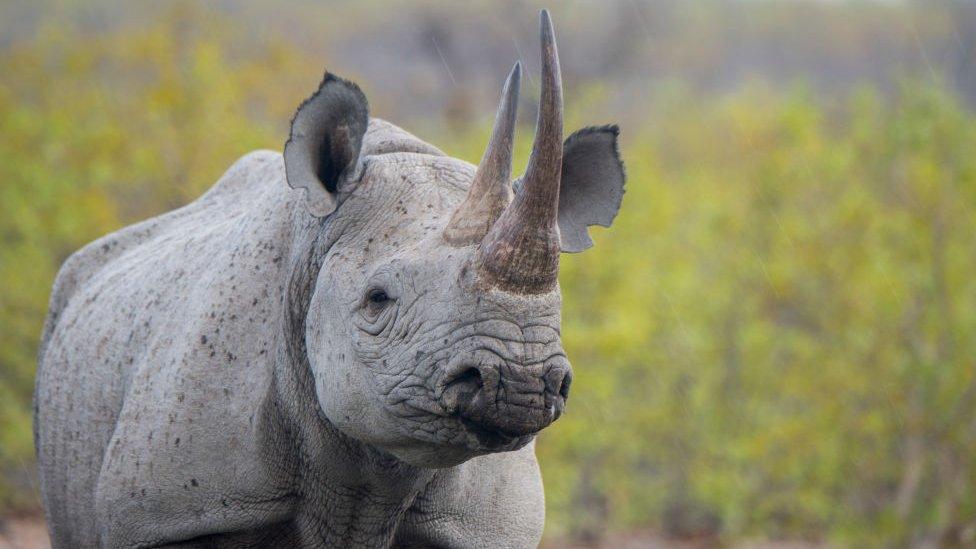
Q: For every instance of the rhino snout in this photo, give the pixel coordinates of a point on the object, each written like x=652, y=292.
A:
x=499, y=402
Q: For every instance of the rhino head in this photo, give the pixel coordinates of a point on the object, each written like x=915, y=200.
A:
x=433, y=328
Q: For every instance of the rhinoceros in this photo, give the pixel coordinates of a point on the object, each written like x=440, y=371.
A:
x=353, y=343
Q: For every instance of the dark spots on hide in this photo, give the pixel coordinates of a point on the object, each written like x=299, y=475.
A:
x=203, y=339
x=177, y=441
x=194, y=483
x=180, y=397
x=255, y=302
x=143, y=491
x=223, y=501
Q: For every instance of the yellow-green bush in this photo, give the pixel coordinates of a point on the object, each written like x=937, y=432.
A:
x=775, y=339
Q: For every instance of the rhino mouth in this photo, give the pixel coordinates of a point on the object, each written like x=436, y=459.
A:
x=501, y=406
x=478, y=394
x=459, y=390
x=495, y=438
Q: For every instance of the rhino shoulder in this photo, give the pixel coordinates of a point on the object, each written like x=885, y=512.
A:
x=245, y=176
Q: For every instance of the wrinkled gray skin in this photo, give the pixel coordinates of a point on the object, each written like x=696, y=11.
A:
x=227, y=375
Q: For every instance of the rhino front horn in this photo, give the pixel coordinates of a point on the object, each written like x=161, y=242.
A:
x=520, y=253
x=491, y=190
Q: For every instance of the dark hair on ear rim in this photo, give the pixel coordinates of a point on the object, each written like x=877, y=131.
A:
x=325, y=140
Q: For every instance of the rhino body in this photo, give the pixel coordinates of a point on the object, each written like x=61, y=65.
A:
x=280, y=365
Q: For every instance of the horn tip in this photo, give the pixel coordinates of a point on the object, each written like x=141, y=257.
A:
x=545, y=24
x=515, y=76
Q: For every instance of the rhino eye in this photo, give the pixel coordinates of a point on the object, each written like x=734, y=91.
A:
x=377, y=297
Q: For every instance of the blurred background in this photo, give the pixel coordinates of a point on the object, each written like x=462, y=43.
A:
x=775, y=344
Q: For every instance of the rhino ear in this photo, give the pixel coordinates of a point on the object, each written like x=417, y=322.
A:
x=592, y=184
x=322, y=152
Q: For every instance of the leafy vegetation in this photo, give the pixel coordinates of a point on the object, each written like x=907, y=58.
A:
x=776, y=339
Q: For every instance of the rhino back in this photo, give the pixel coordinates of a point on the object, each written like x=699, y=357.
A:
x=159, y=343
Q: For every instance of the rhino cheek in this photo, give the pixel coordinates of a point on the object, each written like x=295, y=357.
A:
x=340, y=389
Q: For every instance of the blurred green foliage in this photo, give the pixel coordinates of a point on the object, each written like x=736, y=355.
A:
x=776, y=339
x=777, y=336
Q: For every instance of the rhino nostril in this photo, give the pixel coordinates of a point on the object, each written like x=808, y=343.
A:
x=558, y=380
x=564, y=386
x=461, y=388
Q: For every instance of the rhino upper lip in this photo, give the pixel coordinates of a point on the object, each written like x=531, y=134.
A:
x=459, y=388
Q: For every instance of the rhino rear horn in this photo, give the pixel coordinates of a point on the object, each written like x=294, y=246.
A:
x=491, y=190
x=322, y=152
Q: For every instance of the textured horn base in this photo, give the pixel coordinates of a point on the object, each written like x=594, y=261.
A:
x=521, y=260
x=471, y=223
